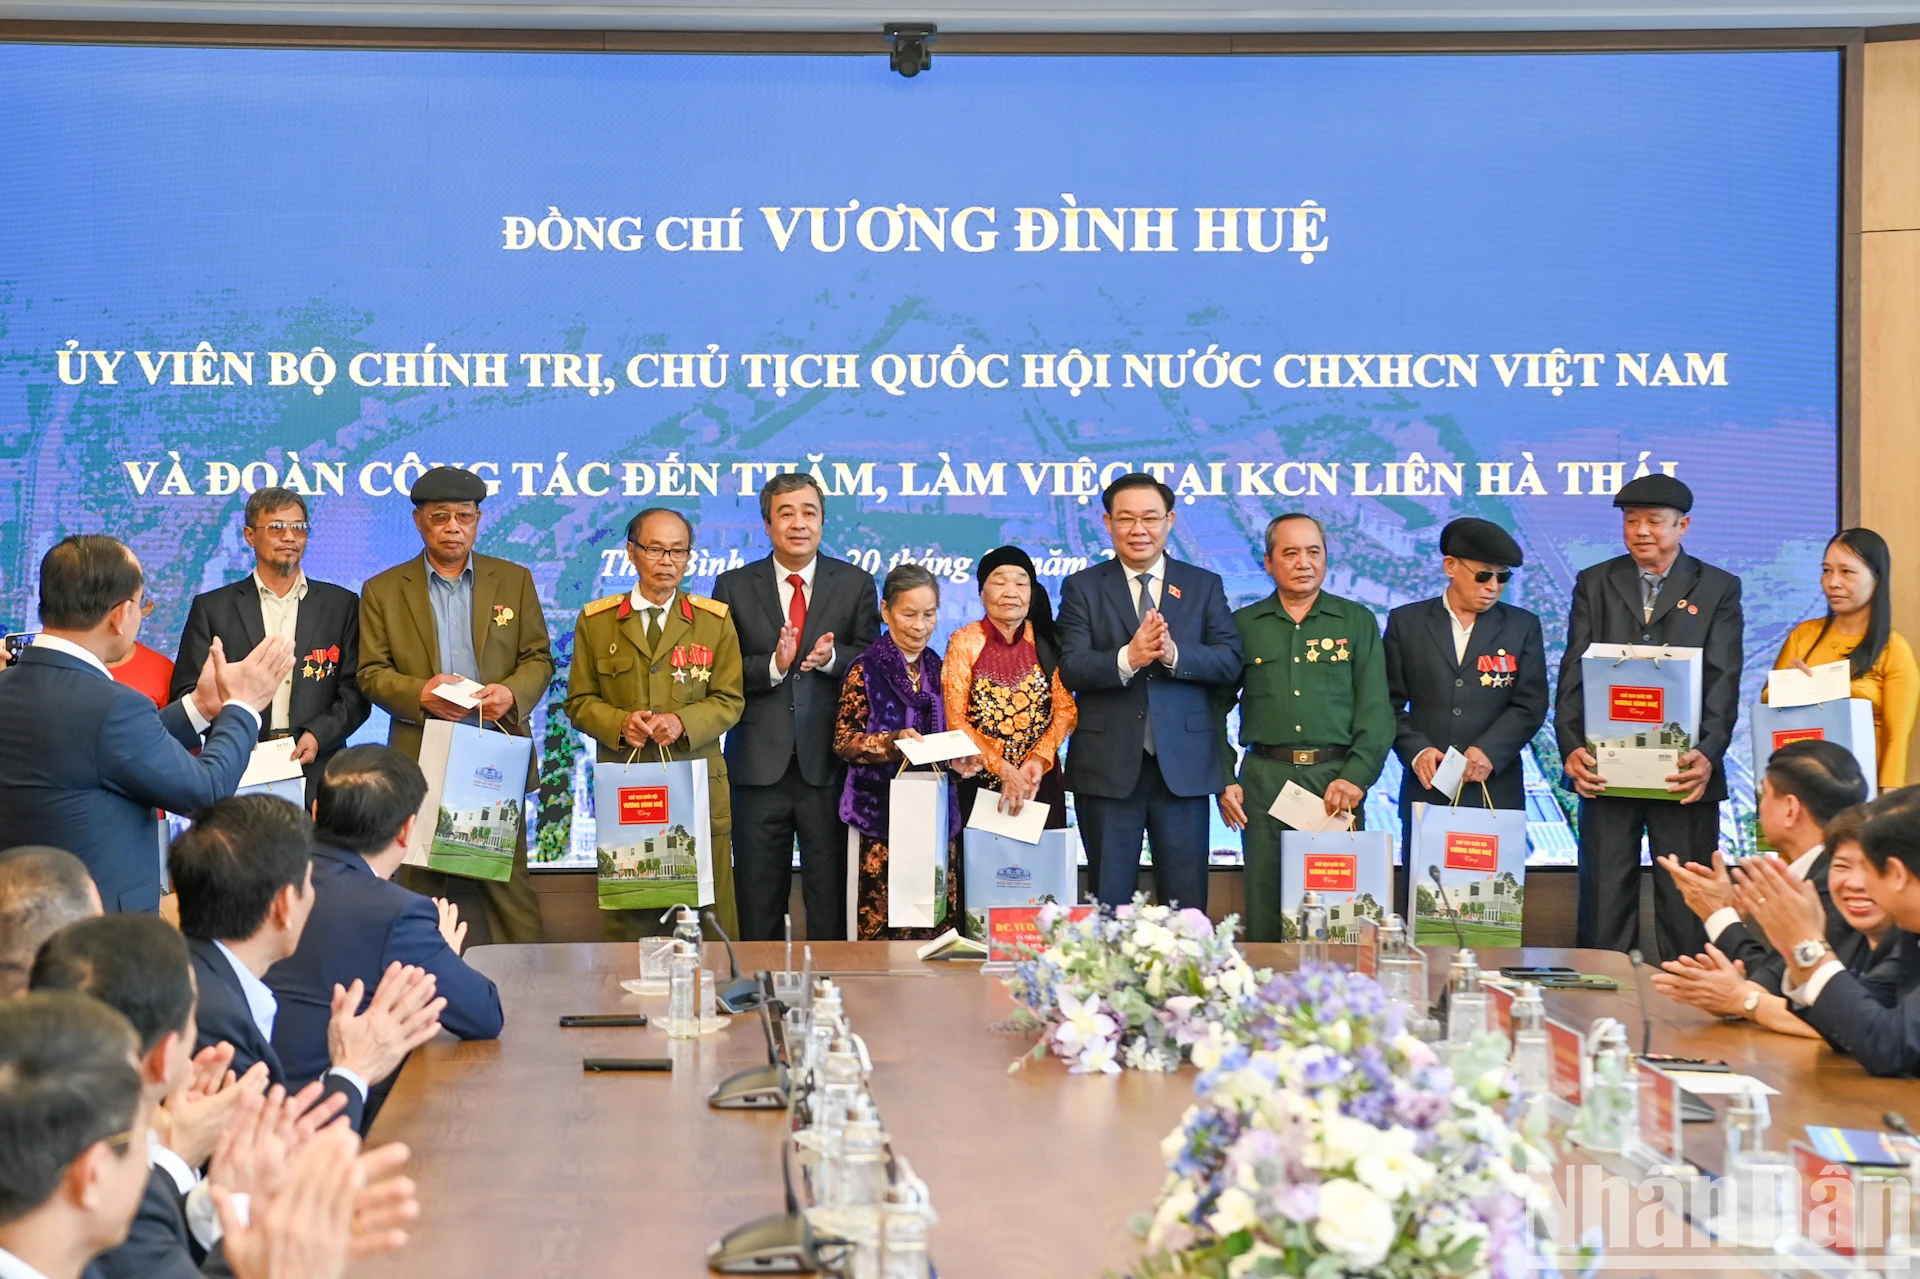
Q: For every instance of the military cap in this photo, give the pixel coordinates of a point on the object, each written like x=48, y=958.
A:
x=448, y=484
x=1481, y=540
x=1655, y=490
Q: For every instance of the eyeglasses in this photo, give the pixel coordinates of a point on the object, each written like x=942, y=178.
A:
x=119, y=1141
x=299, y=528
x=1127, y=523
x=1486, y=575
x=672, y=554
x=465, y=519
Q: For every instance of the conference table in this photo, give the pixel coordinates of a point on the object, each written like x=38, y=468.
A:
x=530, y=1167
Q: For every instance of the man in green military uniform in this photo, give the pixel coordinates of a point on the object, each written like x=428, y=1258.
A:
x=657, y=671
x=1313, y=708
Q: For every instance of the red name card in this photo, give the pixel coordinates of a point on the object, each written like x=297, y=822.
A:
x=1636, y=704
x=1786, y=735
x=1468, y=851
x=1501, y=997
x=1331, y=872
x=1566, y=1052
x=643, y=805
x=1659, y=1111
x=1012, y=931
x=1829, y=1199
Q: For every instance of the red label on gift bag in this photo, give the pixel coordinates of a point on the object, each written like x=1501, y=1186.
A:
x=1786, y=735
x=1636, y=704
x=643, y=805
x=1469, y=851
x=1330, y=872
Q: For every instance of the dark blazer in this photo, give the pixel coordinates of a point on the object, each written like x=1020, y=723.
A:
x=361, y=923
x=327, y=703
x=1606, y=610
x=1097, y=619
x=85, y=762
x=1438, y=702
x=1874, y=1017
x=224, y=1017
x=1767, y=966
x=158, y=1244
x=795, y=715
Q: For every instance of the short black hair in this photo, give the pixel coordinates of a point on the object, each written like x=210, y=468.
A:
x=268, y=500
x=136, y=965
x=1136, y=480
x=42, y=890
x=83, y=578
x=364, y=796
x=787, y=482
x=1822, y=775
x=1273, y=526
x=230, y=863
x=1890, y=829
x=67, y=1080
x=633, y=525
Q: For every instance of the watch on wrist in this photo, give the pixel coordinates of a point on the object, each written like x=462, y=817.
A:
x=1807, y=954
x=1751, y=1002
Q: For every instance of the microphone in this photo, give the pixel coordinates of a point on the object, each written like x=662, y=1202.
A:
x=1453, y=916
x=768, y=1087
x=743, y=994
x=781, y=1244
x=1898, y=1122
x=1640, y=997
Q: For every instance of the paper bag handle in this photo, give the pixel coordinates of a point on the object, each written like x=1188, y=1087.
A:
x=1484, y=793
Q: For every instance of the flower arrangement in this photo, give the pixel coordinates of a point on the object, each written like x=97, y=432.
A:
x=1326, y=1141
x=1133, y=986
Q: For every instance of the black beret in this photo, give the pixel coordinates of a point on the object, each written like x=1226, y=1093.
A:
x=1655, y=490
x=1482, y=540
x=448, y=484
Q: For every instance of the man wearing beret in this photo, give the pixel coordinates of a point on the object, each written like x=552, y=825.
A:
x=1655, y=594
x=1466, y=672
x=433, y=620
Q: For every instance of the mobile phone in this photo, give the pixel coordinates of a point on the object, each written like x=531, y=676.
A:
x=572, y=1020
x=1579, y=981
x=17, y=643
x=605, y=1065
x=1519, y=973
x=1667, y=1061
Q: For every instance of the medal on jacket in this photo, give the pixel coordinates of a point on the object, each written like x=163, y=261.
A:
x=1342, y=653
x=702, y=662
x=679, y=660
x=1497, y=669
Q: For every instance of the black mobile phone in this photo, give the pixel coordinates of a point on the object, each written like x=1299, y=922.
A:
x=1667, y=1061
x=1537, y=974
x=1579, y=981
x=571, y=1021
x=606, y=1065
x=17, y=643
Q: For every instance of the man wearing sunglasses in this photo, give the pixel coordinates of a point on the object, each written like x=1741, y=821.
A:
x=1468, y=673
x=319, y=704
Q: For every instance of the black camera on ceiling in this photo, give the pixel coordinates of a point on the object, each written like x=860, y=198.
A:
x=910, y=54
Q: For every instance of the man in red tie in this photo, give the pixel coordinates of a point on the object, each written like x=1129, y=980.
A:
x=801, y=616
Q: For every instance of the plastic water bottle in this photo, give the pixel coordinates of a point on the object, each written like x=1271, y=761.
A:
x=1313, y=929
x=1403, y=977
x=683, y=1016
x=686, y=928
x=864, y=1155
x=1532, y=1059
x=840, y=1086
x=1610, y=1102
x=904, y=1223
x=1466, y=999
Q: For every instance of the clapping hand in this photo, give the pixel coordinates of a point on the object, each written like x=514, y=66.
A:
x=403, y=1014
x=1786, y=907
x=452, y=927
x=1705, y=888
x=198, y=1111
x=786, y=648
x=1711, y=982
x=1149, y=643
x=305, y=1229
x=821, y=655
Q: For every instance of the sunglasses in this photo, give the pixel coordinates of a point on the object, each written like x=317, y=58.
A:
x=1486, y=575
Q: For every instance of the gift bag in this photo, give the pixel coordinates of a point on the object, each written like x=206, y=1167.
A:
x=917, y=836
x=471, y=819
x=1481, y=854
x=1642, y=708
x=1003, y=871
x=656, y=842
x=1352, y=870
x=1846, y=721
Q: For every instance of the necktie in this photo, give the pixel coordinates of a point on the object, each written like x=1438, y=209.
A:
x=1649, y=592
x=797, y=607
x=653, y=628
x=1146, y=602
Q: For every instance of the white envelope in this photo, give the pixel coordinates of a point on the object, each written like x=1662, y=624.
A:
x=1453, y=766
x=1830, y=681
x=270, y=762
x=464, y=693
x=1301, y=809
x=1025, y=827
x=1637, y=767
x=932, y=749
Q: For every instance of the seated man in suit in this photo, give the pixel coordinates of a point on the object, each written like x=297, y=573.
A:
x=87, y=760
x=244, y=874
x=1805, y=786
x=42, y=890
x=362, y=923
x=72, y=1105
x=1874, y=1017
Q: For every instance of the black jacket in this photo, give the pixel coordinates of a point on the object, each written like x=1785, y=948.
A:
x=158, y=1244
x=1606, y=610
x=1874, y=1017
x=1438, y=702
x=327, y=701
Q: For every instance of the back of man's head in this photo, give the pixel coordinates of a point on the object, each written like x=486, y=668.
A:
x=1823, y=776
x=83, y=578
x=67, y=1081
x=235, y=858
x=1891, y=830
x=42, y=890
x=365, y=796
x=136, y=965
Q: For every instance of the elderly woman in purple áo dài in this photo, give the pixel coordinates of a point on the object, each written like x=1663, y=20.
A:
x=891, y=692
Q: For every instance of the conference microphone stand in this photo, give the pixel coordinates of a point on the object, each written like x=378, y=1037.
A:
x=743, y=994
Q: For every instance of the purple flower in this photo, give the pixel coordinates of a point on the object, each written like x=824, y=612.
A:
x=1298, y=1202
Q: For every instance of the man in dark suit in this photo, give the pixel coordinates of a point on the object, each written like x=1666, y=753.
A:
x=1466, y=672
x=1874, y=1017
x=244, y=874
x=318, y=705
x=1656, y=594
x=84, y=761
x=1141, y=637
x=801, y=617
x=1806, y=785
x=365, y=804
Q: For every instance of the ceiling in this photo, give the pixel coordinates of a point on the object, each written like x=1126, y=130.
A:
x=967, y=16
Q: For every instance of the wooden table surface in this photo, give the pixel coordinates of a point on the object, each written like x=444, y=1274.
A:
x=528, y=1167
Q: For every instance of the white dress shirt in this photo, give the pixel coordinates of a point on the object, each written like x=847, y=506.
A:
x=1462, y=635
x=56, y=644
x=1158, y=572
x=280, y=614
x=11, y=1267
x=264, y=1007
x=780, y=582
x=645, y=609
x=1727, y=916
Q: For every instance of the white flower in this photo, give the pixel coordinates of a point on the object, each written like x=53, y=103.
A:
x=1244, y=1263
x=1176, y=1205
x=1355, y=1223
x=1081, y=1021
x=1096, y=1059
x=1206, y=1052
x=1343, y=1139
x=1390, y=1168
x=1233, y=1211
